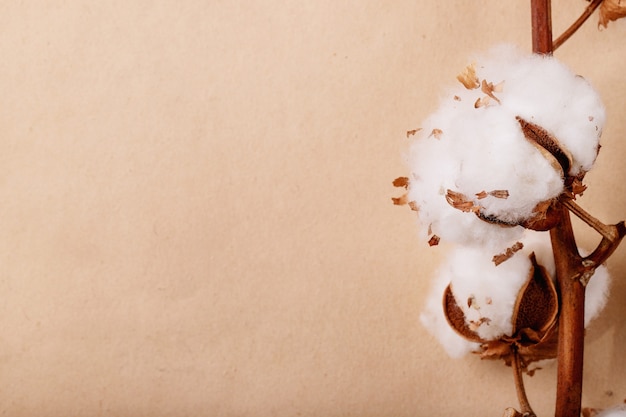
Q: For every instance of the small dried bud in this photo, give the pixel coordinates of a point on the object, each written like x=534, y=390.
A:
x=412, y=132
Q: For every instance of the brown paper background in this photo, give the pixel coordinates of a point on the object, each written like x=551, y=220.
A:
x=196, y=216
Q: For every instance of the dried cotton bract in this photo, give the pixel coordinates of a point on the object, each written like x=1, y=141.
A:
x=484, y=138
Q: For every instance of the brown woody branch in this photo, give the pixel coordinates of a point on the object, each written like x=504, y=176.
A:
x=577, y=24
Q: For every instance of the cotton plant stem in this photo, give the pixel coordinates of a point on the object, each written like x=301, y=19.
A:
x=570, y=351
x=527, y=411
x=541, y=19
x=568, y=266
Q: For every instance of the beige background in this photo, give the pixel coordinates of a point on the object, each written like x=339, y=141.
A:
x=196, y=215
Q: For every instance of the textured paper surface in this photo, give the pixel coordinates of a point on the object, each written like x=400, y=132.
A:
x=196, y=214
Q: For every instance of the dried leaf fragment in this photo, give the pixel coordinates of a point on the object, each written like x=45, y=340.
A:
x=461, y=202
x=577, y=187
x=482, y=102
x=611, y=10
x=499, y=194
x=436, y=133
x=468, y=77
x=475, y=324
x=400, y=201
x=412, y=132
x=401, y=182
x=489, y=89
x=471, y=302
x=498, y=259
x=495, y=193
x=434, y=240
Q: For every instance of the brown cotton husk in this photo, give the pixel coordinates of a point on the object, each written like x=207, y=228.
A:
x=611, y=10
x=548, y=145
x=545, y=217
x=534, y=319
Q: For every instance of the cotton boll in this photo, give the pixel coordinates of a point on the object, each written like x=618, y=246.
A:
x=487, y=293
x=433, y=319
x=474, y=145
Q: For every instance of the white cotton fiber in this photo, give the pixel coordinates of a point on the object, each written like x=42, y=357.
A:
x=482, y=154
x=434, y=320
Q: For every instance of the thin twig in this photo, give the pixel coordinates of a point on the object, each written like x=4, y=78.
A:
x=612, y=234
x=519, y=386
x=577, y=24
x=609, y=232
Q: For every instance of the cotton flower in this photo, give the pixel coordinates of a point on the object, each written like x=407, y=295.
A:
x=513, y=135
